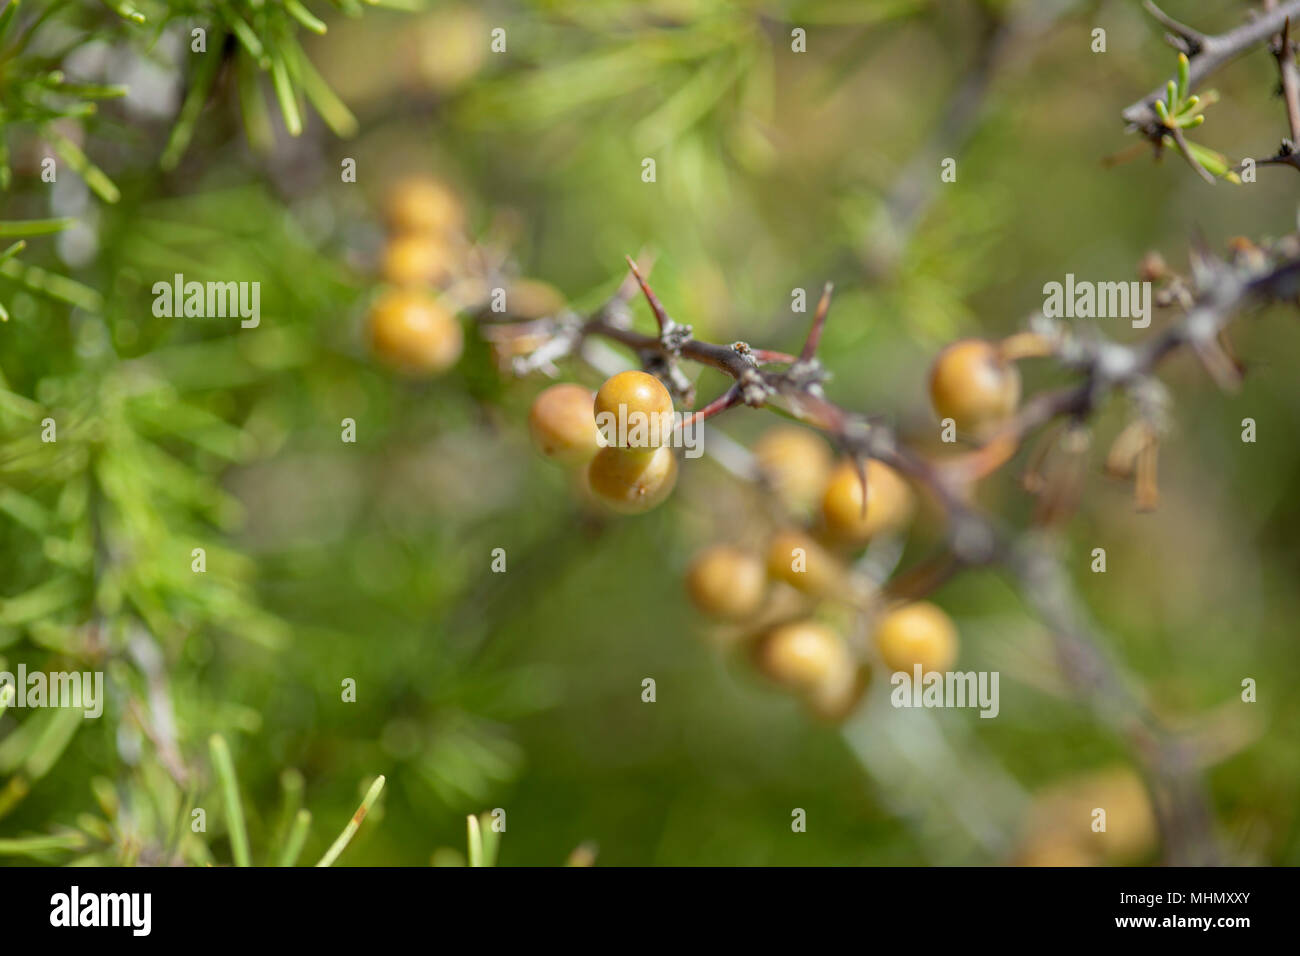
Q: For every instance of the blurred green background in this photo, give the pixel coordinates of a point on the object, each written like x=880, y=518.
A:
x=371, y=560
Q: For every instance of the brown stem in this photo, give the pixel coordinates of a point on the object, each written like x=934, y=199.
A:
x=1290, y=77
x=818, y=325
x=660, y=315
x=975, y=539
x=728, y=399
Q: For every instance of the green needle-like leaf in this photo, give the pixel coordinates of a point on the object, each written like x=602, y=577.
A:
x=257, y=119
x=491, y=842
x=13, y=250
x=200, y=87
x=304, y=16
x=102, y=186
x=7, y=17
x=125, y=10
x=297, y=837
x=349, y=831
x=475, y=841
x=285, y=94
x=244, y=33
x=336, y=115
x=53, y=285
x=40, y=845
x=225, y=770
x=32, y=227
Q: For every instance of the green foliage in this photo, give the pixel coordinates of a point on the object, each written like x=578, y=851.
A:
x=258, y=43
x=326, y=561
x=1182, y=110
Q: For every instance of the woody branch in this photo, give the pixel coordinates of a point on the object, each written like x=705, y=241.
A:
x=1206, y=54
x=1219, y=291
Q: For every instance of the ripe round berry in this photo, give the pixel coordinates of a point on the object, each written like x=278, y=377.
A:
x=890, y=502
x=838, y=696
x=411, y=330
x=631, y=481
x=1055, y=850
x=533, y=299
x=1131, y=828
x=634, y=410
x=795, y=461
x=798, y=560
x=803, y=655
x=422, y=204
x=1065, y=810
x=917, y=633
x=563, y=425
x=726, y=582
x=415, y=258
x=971, y=383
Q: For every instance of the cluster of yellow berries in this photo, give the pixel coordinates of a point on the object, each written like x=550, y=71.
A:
x=411, y=326
x=628, y=470
x=785, y=601
x=429, y=273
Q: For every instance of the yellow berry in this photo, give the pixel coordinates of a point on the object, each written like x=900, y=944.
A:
x=803, y=655
x=446, y=47
x=415, y=259
x=1055, y=851
x=1066, y=812
x=533, y=299
x=795, y=558
x=563, y=425
x=411, y=330
x=422, y=204
x=634, y=410
x=974, y=385
x=918, y=633
x=1131, y=829
x=890, y=503
x=795, y=462
x=726, y=582
x=836, y=697
x=631, y=481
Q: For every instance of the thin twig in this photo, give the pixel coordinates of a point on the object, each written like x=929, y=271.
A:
x=818, y=325
x=1193, y=40
x=975, y=539
x=1213, y=53
x=656, y=307
x=728, y=399
x=1290, y=77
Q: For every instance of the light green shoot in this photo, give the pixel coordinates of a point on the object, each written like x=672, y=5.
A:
x=484, y=841
x=354, y=824
x=1179, y=111
x=225, y=770
x=296, y=838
